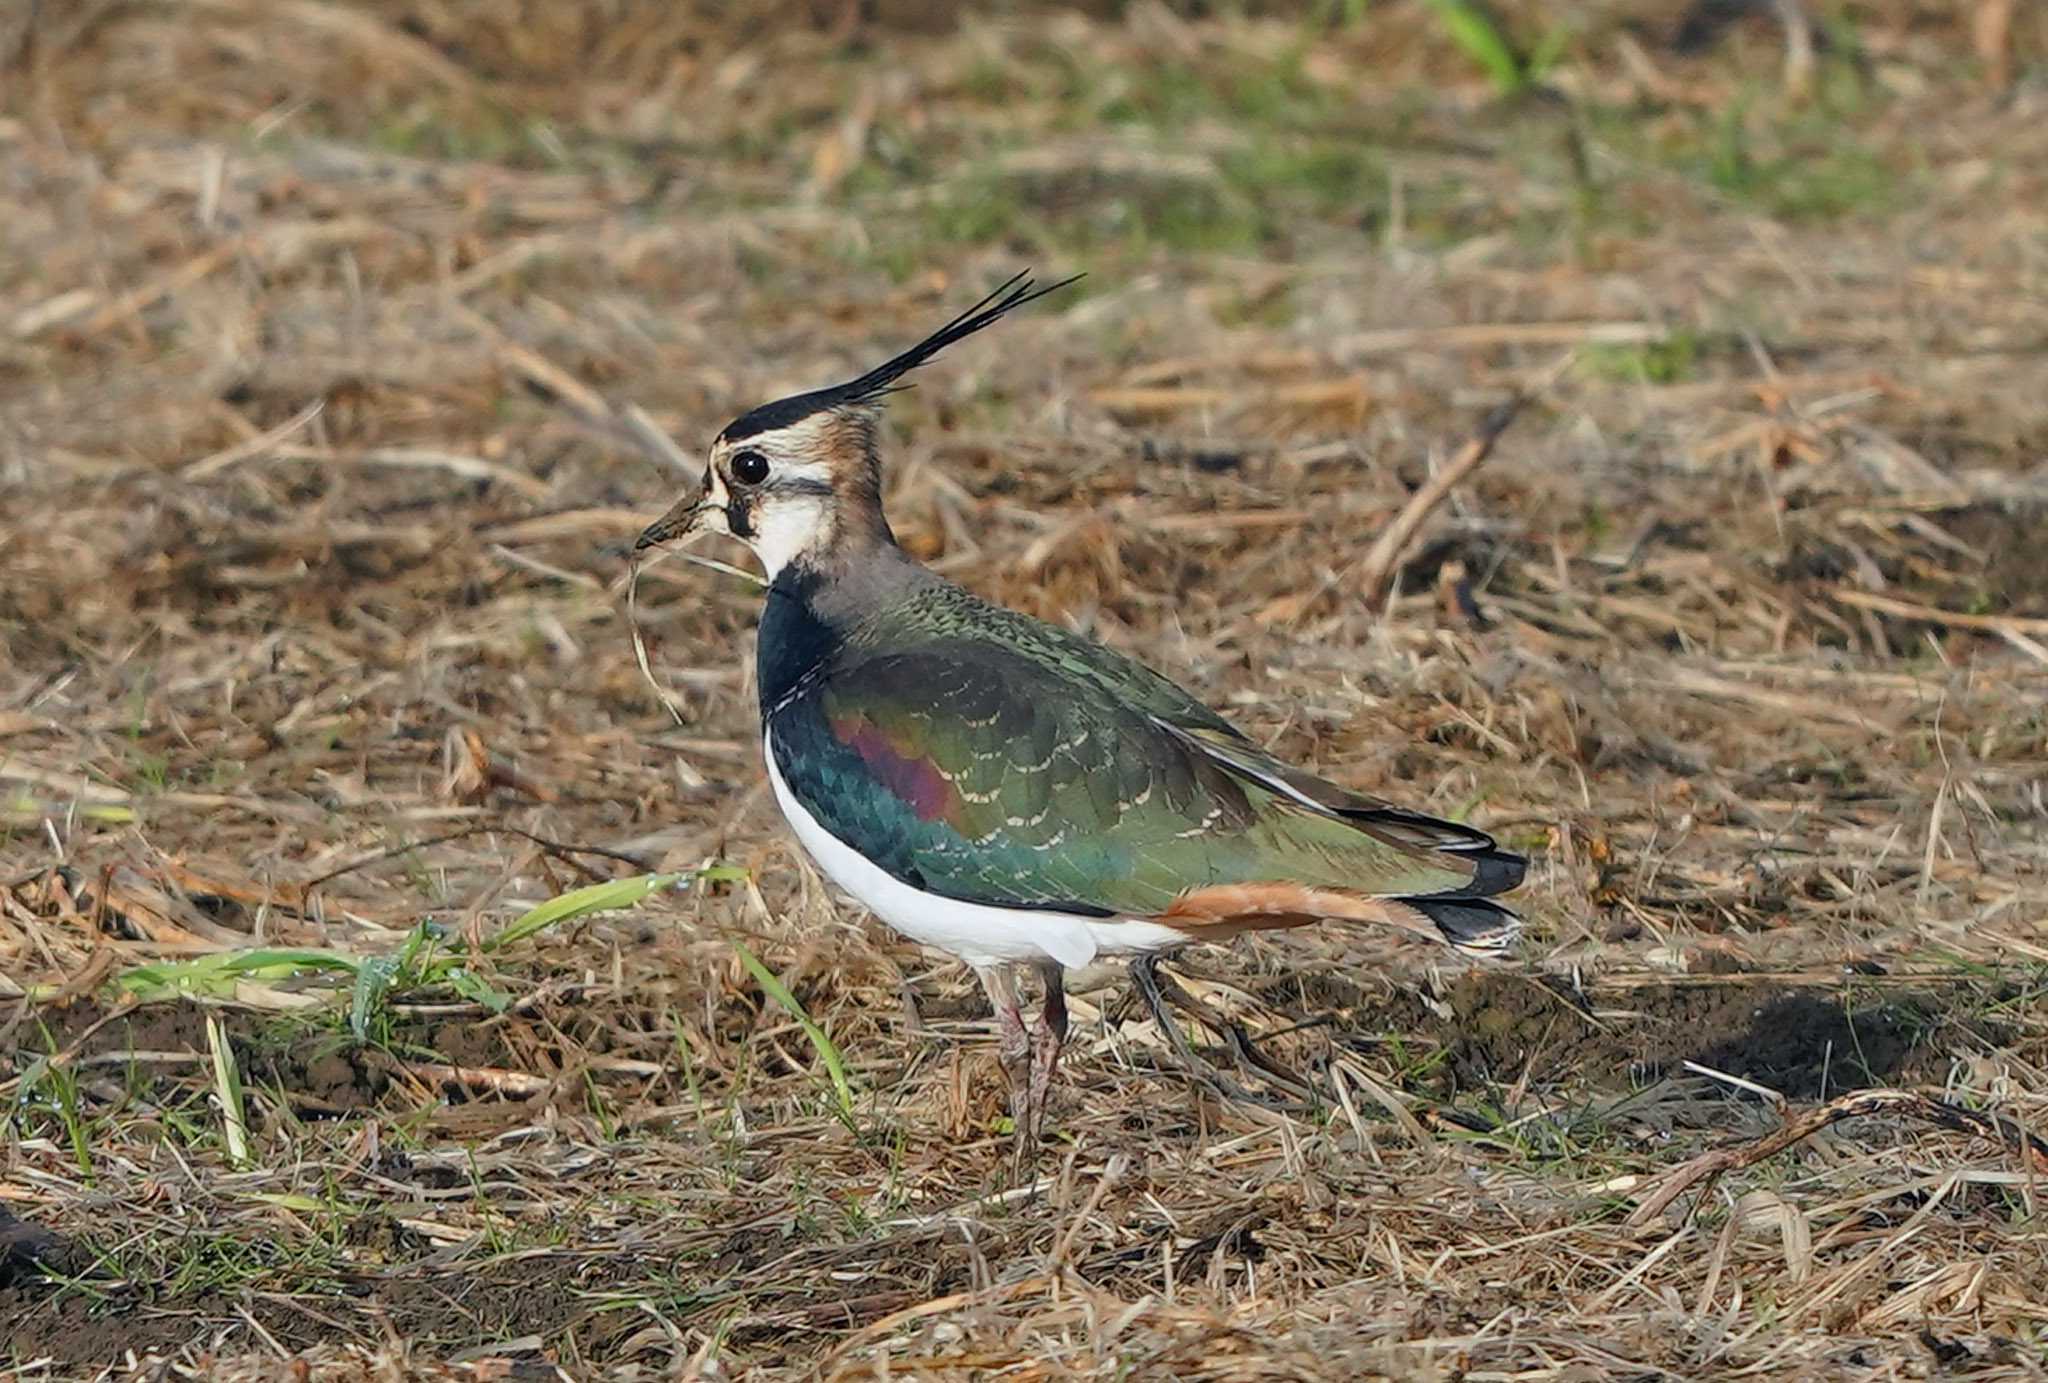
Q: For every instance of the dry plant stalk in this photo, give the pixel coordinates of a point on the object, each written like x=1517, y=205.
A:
x=1708, y=1167
x=1991, y=30
x=1374, y=573
x=667, y=697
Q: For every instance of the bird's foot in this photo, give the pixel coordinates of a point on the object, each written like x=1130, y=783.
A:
x=1048, y=1038
x=1045, y=1060
x=1029, y=1048
x=1156, y=990
x=1250, y=1058
x=1016, y=1050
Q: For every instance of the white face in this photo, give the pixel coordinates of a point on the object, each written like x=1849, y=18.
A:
x=773, y=491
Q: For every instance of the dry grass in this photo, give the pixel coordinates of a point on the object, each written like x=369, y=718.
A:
x=321, y=331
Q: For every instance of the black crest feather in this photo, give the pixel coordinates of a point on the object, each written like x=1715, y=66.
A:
x=881, y=380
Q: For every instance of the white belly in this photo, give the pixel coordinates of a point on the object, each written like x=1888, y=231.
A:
x=979, y=934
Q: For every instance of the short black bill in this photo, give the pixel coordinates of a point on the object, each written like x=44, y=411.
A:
x=676, y=523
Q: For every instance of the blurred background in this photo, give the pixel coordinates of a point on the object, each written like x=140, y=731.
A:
x=338, y=347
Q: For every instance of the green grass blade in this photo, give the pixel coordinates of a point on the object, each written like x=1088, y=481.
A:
x=1482, y=41
x=579, y=902
x=373, y=982
x=1546, y=53
x=227, y=1089
x=58, y=1087
x=605, y=897
x=478, y=990
x=215, y=975
x=821, y=1041
x=288, y=1200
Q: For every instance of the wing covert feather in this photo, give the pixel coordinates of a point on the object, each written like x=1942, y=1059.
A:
x=1016, y=766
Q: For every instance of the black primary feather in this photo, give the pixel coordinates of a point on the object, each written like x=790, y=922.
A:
x=881, y=380
x=1472, y=925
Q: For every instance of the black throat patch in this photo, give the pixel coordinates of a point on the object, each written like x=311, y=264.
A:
x=794, y=638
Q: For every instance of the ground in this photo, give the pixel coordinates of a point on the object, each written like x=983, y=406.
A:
x=344, y=349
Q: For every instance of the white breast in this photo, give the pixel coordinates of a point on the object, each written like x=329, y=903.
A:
x=979, y=934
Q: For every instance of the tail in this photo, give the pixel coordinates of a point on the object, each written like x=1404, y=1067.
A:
x=1460, y=916
x=1471, y=925
x=1463, y=918
x=1466, y=916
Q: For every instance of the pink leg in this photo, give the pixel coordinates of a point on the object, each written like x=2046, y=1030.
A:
x=1048, y=1035
x=1014, y=1047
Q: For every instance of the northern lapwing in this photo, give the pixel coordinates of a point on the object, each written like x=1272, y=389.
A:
x=1013, y=792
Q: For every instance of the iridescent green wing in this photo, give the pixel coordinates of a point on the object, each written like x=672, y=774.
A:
x=1010, y=763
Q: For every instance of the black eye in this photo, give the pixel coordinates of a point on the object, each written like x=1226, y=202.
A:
x=749, y=467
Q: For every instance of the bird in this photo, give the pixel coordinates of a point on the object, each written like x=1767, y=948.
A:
x=1008, y=790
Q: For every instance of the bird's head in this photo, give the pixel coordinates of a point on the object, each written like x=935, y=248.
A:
x=802, y=476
